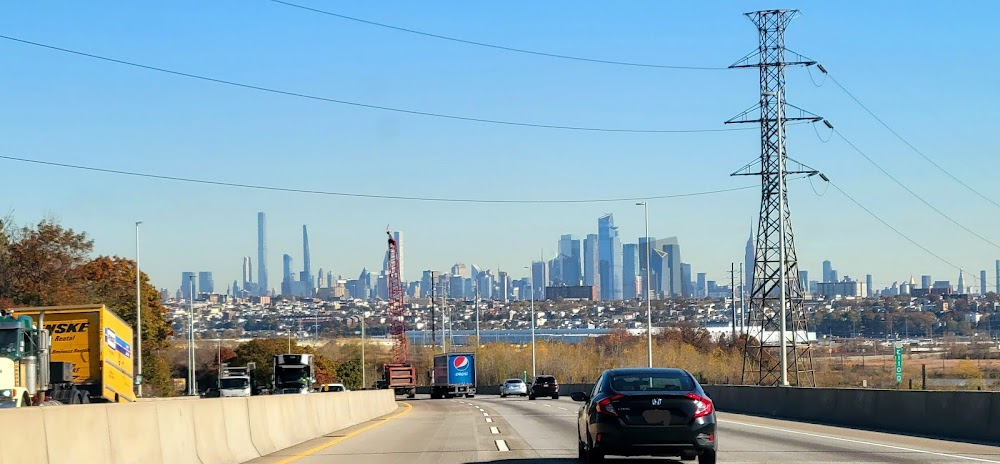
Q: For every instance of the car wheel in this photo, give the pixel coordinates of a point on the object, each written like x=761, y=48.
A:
x=594, y=455
x=555, y=397
x=707, y=457
x=581, y=451
x=531, y=397
x=503, y=395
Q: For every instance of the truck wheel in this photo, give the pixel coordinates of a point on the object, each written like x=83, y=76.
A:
x=412, y=393
x=25, y=399
x=85, y=398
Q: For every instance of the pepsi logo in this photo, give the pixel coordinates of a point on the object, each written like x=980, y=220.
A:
x=460, y=362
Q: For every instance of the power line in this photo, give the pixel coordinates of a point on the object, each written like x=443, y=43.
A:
x=363, y=195
x=906, y=142
x=897, y=231
x=494, y=46
x=365, y=105
x=911, y=192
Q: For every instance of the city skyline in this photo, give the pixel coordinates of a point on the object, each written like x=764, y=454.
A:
x=129, y=119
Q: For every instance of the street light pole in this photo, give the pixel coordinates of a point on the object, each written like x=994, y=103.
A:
x=477, y=317
x=363, y=382
x=138, y=316
x=649, y=309
x=192, y=388
x=531, y=282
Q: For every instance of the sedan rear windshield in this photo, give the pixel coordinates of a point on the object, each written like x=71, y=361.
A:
x=657, y=381
x=515, y=381
x=545, y=380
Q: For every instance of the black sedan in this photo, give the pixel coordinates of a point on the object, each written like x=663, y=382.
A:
x=646, y=412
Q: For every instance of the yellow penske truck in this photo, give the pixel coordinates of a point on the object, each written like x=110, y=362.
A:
x=64, y=355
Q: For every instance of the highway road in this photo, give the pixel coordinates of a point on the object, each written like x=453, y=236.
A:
x=489, y=429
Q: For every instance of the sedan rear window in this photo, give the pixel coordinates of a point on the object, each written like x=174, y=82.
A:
x=657, y=381
x=514, y=381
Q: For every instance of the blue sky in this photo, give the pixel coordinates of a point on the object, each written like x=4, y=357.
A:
x=924, y=69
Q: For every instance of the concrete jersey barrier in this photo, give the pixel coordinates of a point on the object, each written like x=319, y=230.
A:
x=209, y=431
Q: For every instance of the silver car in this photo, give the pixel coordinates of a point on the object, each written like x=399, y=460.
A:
x=513, y=387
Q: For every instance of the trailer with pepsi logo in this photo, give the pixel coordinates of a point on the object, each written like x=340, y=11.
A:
x=454, y=375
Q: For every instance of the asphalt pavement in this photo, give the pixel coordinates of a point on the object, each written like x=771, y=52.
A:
x=489, y=429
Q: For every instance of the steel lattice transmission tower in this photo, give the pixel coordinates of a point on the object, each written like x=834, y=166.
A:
x=776, y=344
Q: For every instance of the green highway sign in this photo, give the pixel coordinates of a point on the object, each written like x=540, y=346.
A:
x=899, y=364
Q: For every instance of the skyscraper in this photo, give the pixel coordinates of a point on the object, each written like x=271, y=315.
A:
x=982, y=282
x=609, y=251
x=247, y=273
x=870, y=284
x=925, y=282
x=539, y=278
x=262, y=287
x=687, y=287
x=398, y=236
x=828, y=272
x=665, y=265
x=630, y=270
x=286, y=274
x=569, y=261
x=748, y=262
x=997, y=275
x=961, y=282
x=591, y=273
x=803, y=281
x=187, y=280
x=701, y=288
x=205, y=282
x=306, y=277
x=646, y=253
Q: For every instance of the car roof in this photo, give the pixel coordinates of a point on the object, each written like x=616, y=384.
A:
x=513, y=380
x=645, y=370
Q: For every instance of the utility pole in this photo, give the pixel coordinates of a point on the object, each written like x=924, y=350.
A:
x=732, y=286
x=776, y=294
x=742, y=298
x=363, y=382
x=646, y=283
x=192, y=388
x=138, y=316
x=434, y=342
x=477, y=317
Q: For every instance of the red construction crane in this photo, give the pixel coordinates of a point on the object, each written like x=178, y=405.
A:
x=399, y=375
x=397, y=312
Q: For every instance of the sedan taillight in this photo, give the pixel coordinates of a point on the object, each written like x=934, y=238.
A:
x=703, y=406
x=604, y=406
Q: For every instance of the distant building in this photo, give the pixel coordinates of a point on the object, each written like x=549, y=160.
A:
x=687, y=286
x=205, y=282
x=262, y=254
x=701, y=288
x=870, y=289
x=630, y=270
x=982, y=283
x=845, y=288
x=576, y=292
x=591, y=272
x=187, y=282
x=925, y=282
x=609, y=251
x=828, y=272
x=539, y=278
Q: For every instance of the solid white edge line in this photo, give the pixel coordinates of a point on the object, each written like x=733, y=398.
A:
x=860, y=442
x=489, y=419
x=494, y=430
x=502, y=445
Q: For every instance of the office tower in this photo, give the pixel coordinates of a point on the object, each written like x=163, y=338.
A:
x=591, y=273
x=236, y=288
x=247, y=273
x=503, y=286
x=870, y=284
x=205, y=282
x=666, y=268
x=609, y=251
x=701, y=288
x=630, y=270
x=687, y=287
x=803, y=281
x=484, y=285
x=286, y=274
x=961, y=282
x=187, y=279
x=646, y=254
x=306, y=276
x=459, y=269
x=262, y=284
x=329, y=279
x=997, y=275
x=833, y=276
x=748, y=262
x=925, y=282
x=570, y=265
x=539, y=278
x=474, y=272
x=982, y=282
x=398, y=236
x=828, y=272
x=425, y=284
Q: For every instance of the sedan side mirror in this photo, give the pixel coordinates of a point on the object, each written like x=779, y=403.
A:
x=579, y=396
